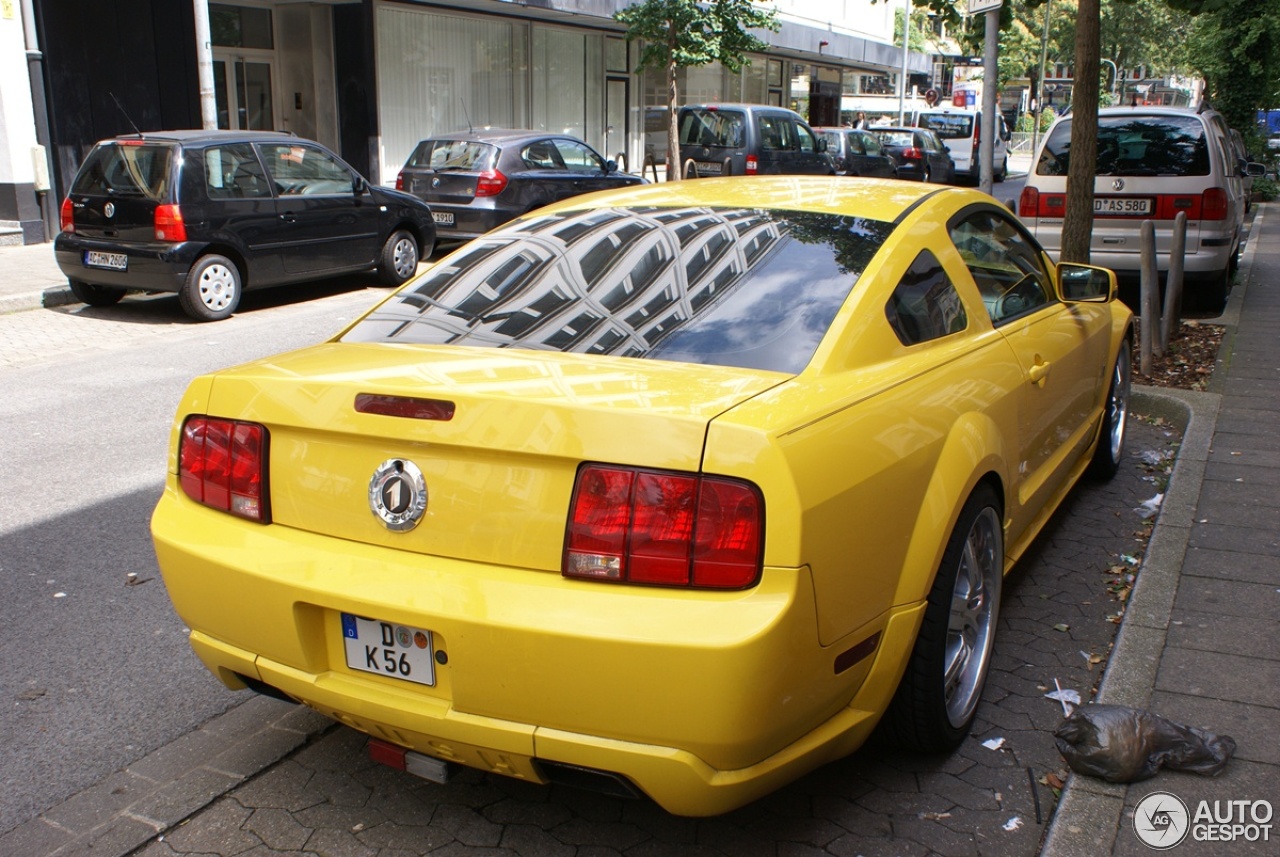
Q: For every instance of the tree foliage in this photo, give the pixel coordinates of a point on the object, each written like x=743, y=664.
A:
x=680, y=34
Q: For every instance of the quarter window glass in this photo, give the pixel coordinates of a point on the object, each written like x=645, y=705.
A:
x=925, y=305
x=1009, y=272
x=233, y=172
x=712, y=128
x=299, y=169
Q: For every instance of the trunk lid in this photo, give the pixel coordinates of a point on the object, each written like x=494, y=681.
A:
x=500, y=472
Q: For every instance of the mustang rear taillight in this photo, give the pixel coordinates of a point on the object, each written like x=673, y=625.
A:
x=662, y=528
x=66, y=216
x=223, y=464
x=169, y=224
x=490, y=183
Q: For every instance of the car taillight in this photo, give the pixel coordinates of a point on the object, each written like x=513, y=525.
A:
x=169, y=224
x=665, y=529
x=66, y=216
x=223, y=464
x=753, y=165
x=1213, y=204
x=399, y=181
x=1029, y=202
x=490, y=183
x=911, y=153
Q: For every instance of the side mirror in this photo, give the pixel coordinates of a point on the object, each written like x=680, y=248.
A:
x=822, y=145
x=1255, y=170
x=1085, y=283
x=359, y=185
x=610, y=166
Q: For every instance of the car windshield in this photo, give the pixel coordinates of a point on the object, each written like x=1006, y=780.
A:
x=454, y=155
x=1135, y=146
x=730, y=287
x=126, y=169
x=948, y=126
x=712, y=128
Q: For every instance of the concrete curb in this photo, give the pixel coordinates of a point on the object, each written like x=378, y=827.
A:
x=36, y=300
x=127, y=809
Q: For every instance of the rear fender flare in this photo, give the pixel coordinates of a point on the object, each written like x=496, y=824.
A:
x=974, y=452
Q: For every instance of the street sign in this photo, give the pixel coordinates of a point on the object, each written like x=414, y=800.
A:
x=976, y=6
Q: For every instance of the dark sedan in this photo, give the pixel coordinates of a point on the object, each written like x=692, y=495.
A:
x=478, y=180
x=919, y=154
x=857, y=153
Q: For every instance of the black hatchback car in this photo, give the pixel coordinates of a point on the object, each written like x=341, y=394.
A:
x=857, y=153
x=208, y=214
x=478, y=180
x=919, y=153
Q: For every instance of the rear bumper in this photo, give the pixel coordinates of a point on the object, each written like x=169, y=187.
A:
x=154, y=267
x=468, y=221
x=705, y=701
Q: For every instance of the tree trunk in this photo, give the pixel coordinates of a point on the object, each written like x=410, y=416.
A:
x=1077, y=225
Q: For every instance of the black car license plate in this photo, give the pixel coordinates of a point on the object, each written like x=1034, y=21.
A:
x=109, y=261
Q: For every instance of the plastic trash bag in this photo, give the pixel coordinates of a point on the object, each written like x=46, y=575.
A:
x=1125, y=745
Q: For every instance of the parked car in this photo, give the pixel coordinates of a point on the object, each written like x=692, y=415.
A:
x=857, y=153
x=918, y=154
x=478, y=180
x=208, y=214
x=673, y=490
x=749, y=139
x=1240, y=152
x=1152, y=162
x=960, y=130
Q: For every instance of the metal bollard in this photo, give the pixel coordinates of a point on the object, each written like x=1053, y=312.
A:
x=1148, y=298
x=1172, y=318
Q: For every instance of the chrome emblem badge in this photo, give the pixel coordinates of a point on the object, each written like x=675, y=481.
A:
x=398, y=494
x=435, y=182
x=109, y=210
x=1118, y=184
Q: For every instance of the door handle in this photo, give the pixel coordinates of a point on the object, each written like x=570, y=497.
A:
x=1039, y=372
x=289, y=217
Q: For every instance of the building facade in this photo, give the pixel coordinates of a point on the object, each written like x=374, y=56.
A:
x=370, y=78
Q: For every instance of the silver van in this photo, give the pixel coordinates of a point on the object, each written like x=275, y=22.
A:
x=961, y=133
x=1152, y=162
x=749, y=139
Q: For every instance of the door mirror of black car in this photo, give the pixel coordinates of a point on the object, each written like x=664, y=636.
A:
x=1086, y=283
x=359, y=185
x=610, y=166
x=822, y=144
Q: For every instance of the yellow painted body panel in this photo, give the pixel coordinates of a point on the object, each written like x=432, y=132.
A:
x=705, y=700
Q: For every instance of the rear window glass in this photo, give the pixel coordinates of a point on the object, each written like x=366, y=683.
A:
x=119, y=169
x=897, y=138
x=1135, y=146
x=747, y=288
x=712, y=128
x=948, y=126
x=453, y=155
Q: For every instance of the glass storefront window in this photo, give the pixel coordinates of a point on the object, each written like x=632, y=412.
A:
x=240, y=27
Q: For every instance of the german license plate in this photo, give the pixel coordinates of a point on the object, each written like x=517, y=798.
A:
x=111, y=261
x=444, y=218
x=708, y=168
x=1123, y=205
x=398, y=651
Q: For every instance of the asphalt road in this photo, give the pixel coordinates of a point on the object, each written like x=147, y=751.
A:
x=94, y=665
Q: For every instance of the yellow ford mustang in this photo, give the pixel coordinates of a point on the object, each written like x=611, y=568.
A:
x=677, y=490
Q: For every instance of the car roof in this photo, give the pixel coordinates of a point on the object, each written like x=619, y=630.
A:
x=205, y=135
x=500, y=135
x=736, y=105
x=877, y=199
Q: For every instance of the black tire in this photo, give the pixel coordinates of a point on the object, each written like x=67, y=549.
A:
x=399, y=259
x=93, y=295
x=1003, y=172
x=1115, y=418
x=937, y=700
x=212, y=289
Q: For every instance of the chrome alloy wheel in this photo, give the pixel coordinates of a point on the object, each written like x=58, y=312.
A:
x=1118, y=403
x=218, y=287
x=971, y=626
x=405, y=257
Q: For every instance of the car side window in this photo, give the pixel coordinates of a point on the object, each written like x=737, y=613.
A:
x=233, y=172
x=871, y=143
x=856, y=145
x=297, y=169
x=925, y=305
x=806, y=139
x=771, y=133
x=542, y=155
x=577, y=156
x=1005, y=264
